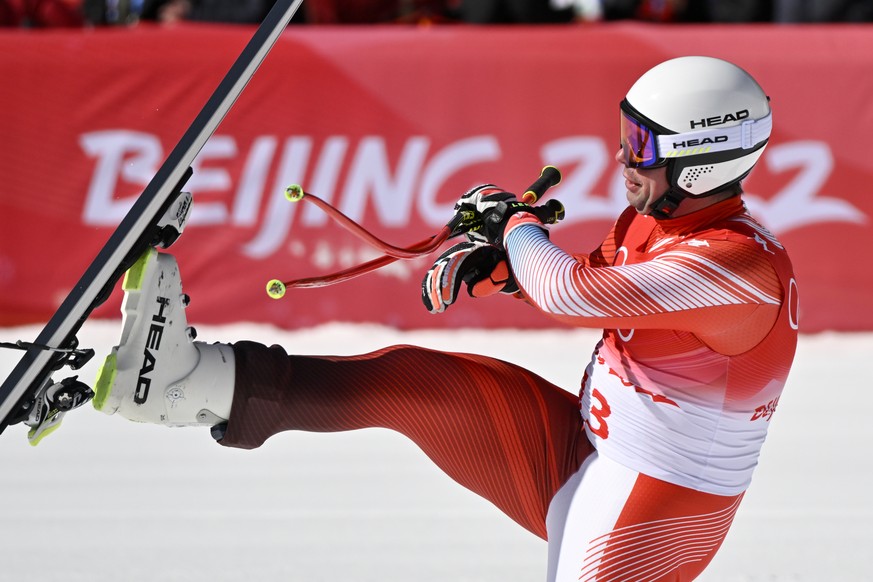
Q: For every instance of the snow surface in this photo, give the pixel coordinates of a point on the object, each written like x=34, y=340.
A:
x=107, y=500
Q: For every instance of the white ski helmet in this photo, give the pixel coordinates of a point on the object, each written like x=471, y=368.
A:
x=704, y=118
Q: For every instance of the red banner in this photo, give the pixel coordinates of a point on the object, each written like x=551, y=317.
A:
x=391, y=124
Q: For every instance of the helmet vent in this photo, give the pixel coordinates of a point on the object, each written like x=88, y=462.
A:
x=693, y=174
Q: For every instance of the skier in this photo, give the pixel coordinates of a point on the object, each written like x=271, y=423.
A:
x=638, y=478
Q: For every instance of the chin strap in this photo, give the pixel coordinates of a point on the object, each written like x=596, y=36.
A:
x=666, y=205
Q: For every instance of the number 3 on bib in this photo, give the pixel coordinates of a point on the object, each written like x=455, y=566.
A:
x=598, y=413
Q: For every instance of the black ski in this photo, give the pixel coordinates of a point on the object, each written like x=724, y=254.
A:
x=157, y=218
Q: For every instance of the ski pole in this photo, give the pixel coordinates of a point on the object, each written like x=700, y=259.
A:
x=462, y=222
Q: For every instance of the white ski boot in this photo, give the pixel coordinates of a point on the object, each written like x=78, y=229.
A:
x=157, y=374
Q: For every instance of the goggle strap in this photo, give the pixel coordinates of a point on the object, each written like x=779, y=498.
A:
x=745, y=136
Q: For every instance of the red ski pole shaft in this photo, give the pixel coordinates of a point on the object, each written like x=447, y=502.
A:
x=295, y=193
x=459, y=224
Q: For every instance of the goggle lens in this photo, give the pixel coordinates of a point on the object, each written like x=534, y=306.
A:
x=637, y=143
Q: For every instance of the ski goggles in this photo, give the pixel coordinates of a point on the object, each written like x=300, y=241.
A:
x=639, y=143
x=645, y=147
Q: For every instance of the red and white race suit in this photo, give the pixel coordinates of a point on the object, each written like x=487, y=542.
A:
x=701, y=327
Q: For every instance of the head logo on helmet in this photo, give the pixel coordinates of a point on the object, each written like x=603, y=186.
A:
x=720, y=120
x=704, y=118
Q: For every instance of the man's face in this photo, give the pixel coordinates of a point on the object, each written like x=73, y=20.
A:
x=643, y=186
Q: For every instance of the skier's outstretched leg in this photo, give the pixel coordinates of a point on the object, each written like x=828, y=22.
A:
x=496, y=428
